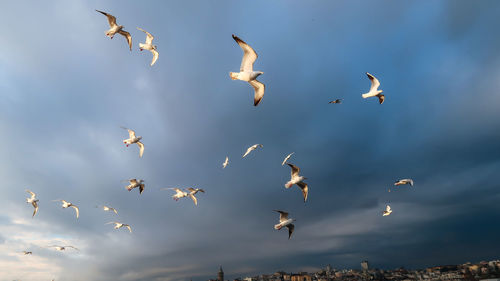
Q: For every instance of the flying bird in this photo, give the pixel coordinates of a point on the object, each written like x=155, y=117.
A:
x=246, y=71
x=285, y=222
x=33, y=201
x=62, y=248
x=66, y=204
x=106, y=208
x=298, y=180
x=148, y=45
x=387, y=211
x=27, y=253
x=252, y=148
x=133, y=139
x=336, y=101
x=114, y=28
x=192, y=192
x=374, y=91
x=286, y=158
x=178, y=193
x=226, y=162
x=120, y=225
x=135, y=183
x=404, y=181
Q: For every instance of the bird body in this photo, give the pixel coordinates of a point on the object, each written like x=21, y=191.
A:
x=134, y=139
x=114, y=29
x=295, y=178
x=120, y=225
x=134, y=183
x=106, y=208
x=27, y=253
x=252, y=148
x=190, y=192
x=374, y=91
x=148, y=45
x=387, y=211
x=226, y=162
x=247, y=73
x=33, y=201
x=66, y=204
x=285, y=222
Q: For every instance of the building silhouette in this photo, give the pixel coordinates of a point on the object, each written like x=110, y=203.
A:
x=220, y=275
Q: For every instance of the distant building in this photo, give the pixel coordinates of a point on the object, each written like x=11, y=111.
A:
x=220, y=275
x=364, y=265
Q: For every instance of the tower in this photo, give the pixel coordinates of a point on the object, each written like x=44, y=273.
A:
x=364, y=265
x=220, y=275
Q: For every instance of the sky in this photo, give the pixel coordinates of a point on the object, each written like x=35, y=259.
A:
x=66, y=90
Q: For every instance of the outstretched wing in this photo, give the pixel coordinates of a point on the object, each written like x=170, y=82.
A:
x=295, y=170
x=259, y=90
x=141, y=188
x=141, y=148
x=249, y=55
x=381, y=98
x=35, y=205
x=76, y=210
x=194, y=199
x=155, y=56
x=305, y=189
x=33, y=195
x=283, y=215
x=291, y=227
x=128, y=36
x=286, y=158
x=149, y=37
x=111, y=18
x=375, y=82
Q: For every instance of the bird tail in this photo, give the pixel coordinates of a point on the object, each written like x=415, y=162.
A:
x=233, y=75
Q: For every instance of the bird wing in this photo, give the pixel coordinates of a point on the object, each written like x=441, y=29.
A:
x=381, y=98
x=387, y=208
x=71, y=247
x=131, y=133
x=155, y=56
x=149, y=37
x=33, y=195
x=305, y=189
x=35, y=205
x=141, y=148
x=375, y=82
x=112, y=222
x=129, y=228
x=191, y=189
x=111, y=18
x=141, y=188
x=194, y=199
x=259, y=90
x=290, y=227
x=128, y=36
x=76, y=210
x=295, y=170
x=283, y=215
x=286, y=158
x=248, y=151
x=249, y=55
x=114, y=210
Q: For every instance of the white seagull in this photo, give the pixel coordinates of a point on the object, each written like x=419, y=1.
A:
x=404, y=181
x=106, y=208
x=298, y=180
x=226, y=162
x=178, y=193
x=120, y=225
x=135, y=183
x=66, y=204
x=192, y=192
x=27, y=252
x=252, y=148
x=148, y=45
x=285, y=222
x=133, y=139
x=33, y=201
x=387, y=211
x=246, y=71
x=62, y=248
x=114, y=28
x=286, y=158
x=374, y=91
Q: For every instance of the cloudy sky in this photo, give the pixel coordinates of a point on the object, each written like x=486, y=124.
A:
x=66, y=90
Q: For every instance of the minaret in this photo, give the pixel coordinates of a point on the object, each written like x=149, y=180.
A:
x=220, y=275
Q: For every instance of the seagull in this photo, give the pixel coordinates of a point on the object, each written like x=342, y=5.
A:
x=148, y=45
x=66, y=204
x=336, y=101
x=286, y=158
x=106, y=208
x=387, y=211
x=246, y=71
x=133, y=139
x=135, y=183
x=252, y=148
x=33, y=201
x=224, y=165
x=116, y=29
x=192, y=192
x=178, y=193
x=120, y=225
x=285, y=221
x=404, y=181
x=27, y=253
x=374, y=91
x=298, y=180
x=62, y=248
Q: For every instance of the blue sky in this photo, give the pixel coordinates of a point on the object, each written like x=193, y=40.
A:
x=67, y=89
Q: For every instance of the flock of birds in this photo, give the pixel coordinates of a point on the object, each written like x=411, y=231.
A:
x=246, y=74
